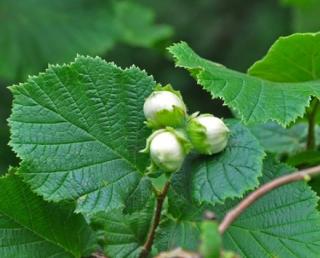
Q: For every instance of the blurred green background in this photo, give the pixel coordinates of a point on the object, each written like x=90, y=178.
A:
x=235, y=33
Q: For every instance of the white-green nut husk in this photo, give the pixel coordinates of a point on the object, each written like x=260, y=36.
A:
x=167, y=149
x=208, y=134
x=164, y=107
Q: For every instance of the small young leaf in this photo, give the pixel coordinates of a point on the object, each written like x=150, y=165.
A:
x=289, y=76
x=210, y=240
x=78, y=129
x=229, y=174
x=31, y=227
x=283, y=223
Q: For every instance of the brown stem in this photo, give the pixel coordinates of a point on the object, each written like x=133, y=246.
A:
x=155, y=223
x=233, y=214
x=311, y=141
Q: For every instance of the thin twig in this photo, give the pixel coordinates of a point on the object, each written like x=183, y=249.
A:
x=311, y=141
x=156, y=220
x=233, y=214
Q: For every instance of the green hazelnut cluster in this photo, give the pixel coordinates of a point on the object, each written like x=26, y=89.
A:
x=175, y=133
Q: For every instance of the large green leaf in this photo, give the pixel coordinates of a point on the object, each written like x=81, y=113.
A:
x=229, y=174
x=35, y=32
x=78, y=129
x=31, y=227
x=124, y=235
x=283, y=223
x=289, y=76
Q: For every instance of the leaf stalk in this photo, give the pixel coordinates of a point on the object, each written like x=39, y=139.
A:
x=156, y=221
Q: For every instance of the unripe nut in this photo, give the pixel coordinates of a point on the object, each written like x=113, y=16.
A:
x=166, y=151
x=164, y=108
x=208, y=134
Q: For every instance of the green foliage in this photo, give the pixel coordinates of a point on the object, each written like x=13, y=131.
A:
x=278, y=87
x=229, y=174
x=210, y=240
x=304, y=158
x=78, y=129
x=180, y=227
x=35, y=32
x=276, y=139
x=123, y=235
x=283, y=223
x=30, y=227
x=291, y=59
x=174, y=233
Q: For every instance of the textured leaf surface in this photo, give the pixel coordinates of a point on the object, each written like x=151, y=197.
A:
x=180, y=226
x=35, y=32
x=30, y=227
x=229, y=174
x=283, y=223
x=78, y=129
x=124, y=235
x=173, y=233
x=289, y=76
x=276, y=139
